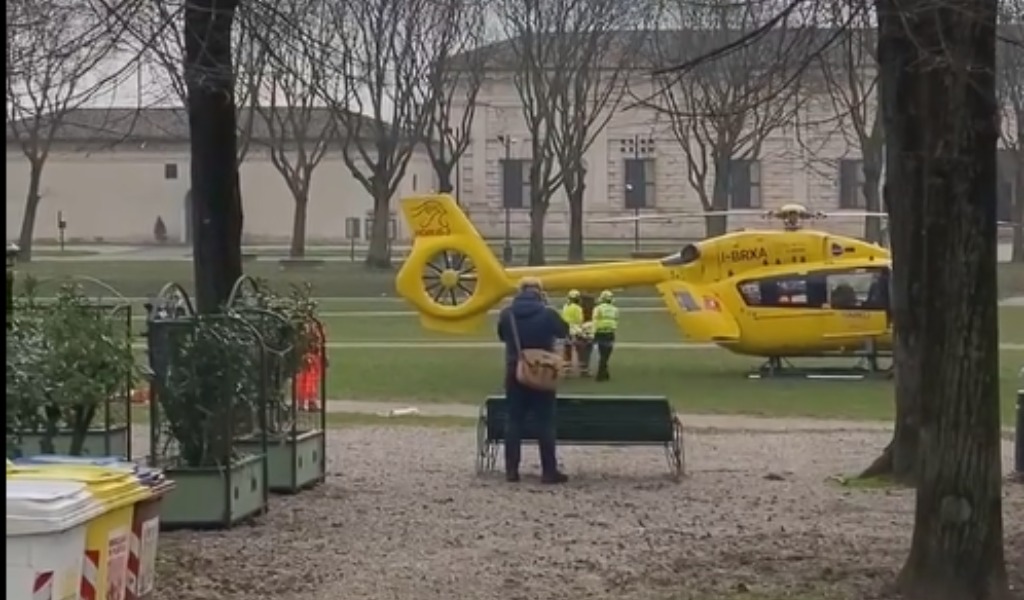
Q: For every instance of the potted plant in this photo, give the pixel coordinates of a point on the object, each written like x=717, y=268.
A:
x=69, y=375
x=205, y=385
x=295, y=427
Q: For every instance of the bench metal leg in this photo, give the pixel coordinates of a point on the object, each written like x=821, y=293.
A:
x=674, y=452
x=481, y=445
x=486, y=450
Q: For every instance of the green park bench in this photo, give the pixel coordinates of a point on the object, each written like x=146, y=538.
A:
x=590, y=420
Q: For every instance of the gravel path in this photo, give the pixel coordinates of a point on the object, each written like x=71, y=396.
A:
x=403, y=517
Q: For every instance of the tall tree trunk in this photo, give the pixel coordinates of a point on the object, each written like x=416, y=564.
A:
x=1018, y=202
x=298, y=245
x=32, y=199
x=538, y=212
x=899, y=458
x=217, y=214
x=574, y=194
x=444, y=177
x=719, y=224
x=378, y=256
x=942, y=127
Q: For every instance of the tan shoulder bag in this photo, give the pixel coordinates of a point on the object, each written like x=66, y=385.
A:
x=536, y=369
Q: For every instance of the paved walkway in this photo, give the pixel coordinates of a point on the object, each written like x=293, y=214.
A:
x=690, y=421
x=726, y=422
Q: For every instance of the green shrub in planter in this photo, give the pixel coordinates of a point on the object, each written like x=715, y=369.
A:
x=296, y=434
x=209, y=387
x=69, y=375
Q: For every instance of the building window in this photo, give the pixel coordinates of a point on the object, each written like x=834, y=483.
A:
x=515, y=183
x=368, y=229
x=744, y=183
x=170, y=171
x=639, y=184
x=851, y=183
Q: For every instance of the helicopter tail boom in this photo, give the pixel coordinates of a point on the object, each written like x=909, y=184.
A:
x=452, y=277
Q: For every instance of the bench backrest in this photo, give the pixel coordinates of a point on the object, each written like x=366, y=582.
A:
x=595, y=419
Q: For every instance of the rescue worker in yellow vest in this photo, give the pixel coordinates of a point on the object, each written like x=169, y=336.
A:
x=572, y=314
x=606, y=321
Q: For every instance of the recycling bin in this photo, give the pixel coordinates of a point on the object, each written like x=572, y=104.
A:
x=108, y=535
x=46, y=529
x=146, y=535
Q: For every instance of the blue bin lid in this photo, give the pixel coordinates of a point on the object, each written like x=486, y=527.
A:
x=148, y=476
x=67, y=459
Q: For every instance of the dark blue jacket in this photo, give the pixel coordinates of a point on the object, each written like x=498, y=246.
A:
x=538, y=324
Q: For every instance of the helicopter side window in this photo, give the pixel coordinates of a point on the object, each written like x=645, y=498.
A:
x=776, y=292
x=859, y=289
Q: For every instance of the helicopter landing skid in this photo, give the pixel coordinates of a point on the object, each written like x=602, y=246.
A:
x=867, y=367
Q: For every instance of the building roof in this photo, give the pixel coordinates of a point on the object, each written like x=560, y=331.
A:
x=121, y=125
x=648, y=50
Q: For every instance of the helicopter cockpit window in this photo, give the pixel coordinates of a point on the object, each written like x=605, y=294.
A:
x=690, y=253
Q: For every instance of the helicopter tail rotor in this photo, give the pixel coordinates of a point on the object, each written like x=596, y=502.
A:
x=451, y=276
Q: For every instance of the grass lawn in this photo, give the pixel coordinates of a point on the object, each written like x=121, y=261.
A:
x=646, y=326
x=697, y=381
x=143, y=278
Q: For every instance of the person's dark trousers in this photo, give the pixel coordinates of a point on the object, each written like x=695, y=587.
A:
x=523, y=402
x=567, y=351
x=586, y=351
x=605, y=341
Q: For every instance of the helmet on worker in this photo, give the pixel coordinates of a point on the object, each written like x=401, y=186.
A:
x=573, y=296
x=606, y=297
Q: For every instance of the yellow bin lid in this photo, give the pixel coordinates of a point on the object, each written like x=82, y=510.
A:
x=111, y=488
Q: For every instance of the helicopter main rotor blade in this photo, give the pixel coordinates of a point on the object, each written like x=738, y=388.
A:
x=680, y=215
x=857, y=214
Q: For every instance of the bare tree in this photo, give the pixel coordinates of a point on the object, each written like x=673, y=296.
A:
x=849, y=70
x=572, y=59
x=58, y=60
x=1010, y=81
x=937, y=67
x=568, y=61
x=299, y=129
x=723, y=107
x=159, y=35
x=382, y=105
x=597, y=57
x=455, y=80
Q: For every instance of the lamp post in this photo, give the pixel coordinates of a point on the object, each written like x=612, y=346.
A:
x=12, y=259
x=506, y=251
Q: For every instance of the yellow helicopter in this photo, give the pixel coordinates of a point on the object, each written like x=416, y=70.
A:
x=772, y=293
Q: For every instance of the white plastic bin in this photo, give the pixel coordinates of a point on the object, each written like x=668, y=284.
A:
x=46, y=523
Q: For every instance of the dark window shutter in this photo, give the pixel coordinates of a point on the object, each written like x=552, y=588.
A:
x=512, y=184
x=635, y=184
x=848, y=188
x=739, y=184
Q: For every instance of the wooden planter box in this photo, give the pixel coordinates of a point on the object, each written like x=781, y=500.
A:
x=294, y=462
x=115, y=441
x=215, y=497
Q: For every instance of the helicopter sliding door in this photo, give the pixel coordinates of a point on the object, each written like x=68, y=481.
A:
x=699, y=313
x=782, y=313
x=858, y=304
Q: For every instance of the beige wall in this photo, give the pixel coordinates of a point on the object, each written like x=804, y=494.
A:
x=793, y=169
x=116, y=195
